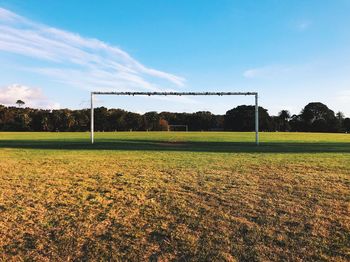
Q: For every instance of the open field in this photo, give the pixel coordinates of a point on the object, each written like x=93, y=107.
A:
x=174, y=196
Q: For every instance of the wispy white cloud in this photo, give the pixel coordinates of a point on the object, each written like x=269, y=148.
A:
x=33, y=97
x=79, y=61
x=8, y=15
x=267, y=72
x=282, y=71
x=343, y=96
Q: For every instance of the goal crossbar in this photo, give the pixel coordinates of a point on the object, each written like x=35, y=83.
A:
x=175, y=93
x=178, y=94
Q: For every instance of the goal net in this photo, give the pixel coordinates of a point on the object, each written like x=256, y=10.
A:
x=178, y=128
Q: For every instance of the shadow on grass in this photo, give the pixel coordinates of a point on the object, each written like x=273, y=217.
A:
x=157, y=145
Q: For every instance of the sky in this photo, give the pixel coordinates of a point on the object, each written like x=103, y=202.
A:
x=53, y=53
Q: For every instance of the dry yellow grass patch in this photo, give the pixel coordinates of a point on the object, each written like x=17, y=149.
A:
x=84, y=204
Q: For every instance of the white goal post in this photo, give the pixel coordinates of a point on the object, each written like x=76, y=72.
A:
x=178, y=94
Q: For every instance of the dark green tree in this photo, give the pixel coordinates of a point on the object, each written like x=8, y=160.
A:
x=117, y=120
x=20, y=103
x=151, y=121
x=346, y=125
x=283, y=121
x=317, y=117
x=101, y=116
x=201, y=121
x=242, y=118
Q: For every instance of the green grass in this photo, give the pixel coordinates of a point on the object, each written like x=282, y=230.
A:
x=163, y=196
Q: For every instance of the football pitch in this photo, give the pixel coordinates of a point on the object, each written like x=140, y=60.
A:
x=183, y=196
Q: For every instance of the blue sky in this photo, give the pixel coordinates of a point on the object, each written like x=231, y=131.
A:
x=292, y=52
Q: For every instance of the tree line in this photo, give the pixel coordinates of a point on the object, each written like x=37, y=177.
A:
x=314, y=117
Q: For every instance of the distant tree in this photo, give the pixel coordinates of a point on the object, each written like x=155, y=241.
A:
x=340, y=116
x=284, y=114
x=133, y=121
x=151, y=121
x=340, y=119
x=39, y=120
x=202, y=121
x=20, y=103
x=346, y=125
x=172, y=118
x=21, y=120
x=283, y=120
x=3, y=110
x=101, y=115
x=296, y=124
x=163, y=124
x=116, y=120
x=67, y=120
x=314, y=117
x=63, y=120
x=56, y=119
x=45, y=123
x=70, y=121
x=242, y=118
x=82, y=120
x=218, y=123
x=317, y=117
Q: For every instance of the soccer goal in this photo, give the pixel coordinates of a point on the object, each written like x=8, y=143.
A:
x=178, y=128
x=178, y=94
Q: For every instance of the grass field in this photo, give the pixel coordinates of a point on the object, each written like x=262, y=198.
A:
x=168, y=196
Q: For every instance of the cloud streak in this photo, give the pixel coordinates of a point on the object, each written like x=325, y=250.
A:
x=79, y=61
x=344, y=96
x=284, y=71
x=267, y=72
